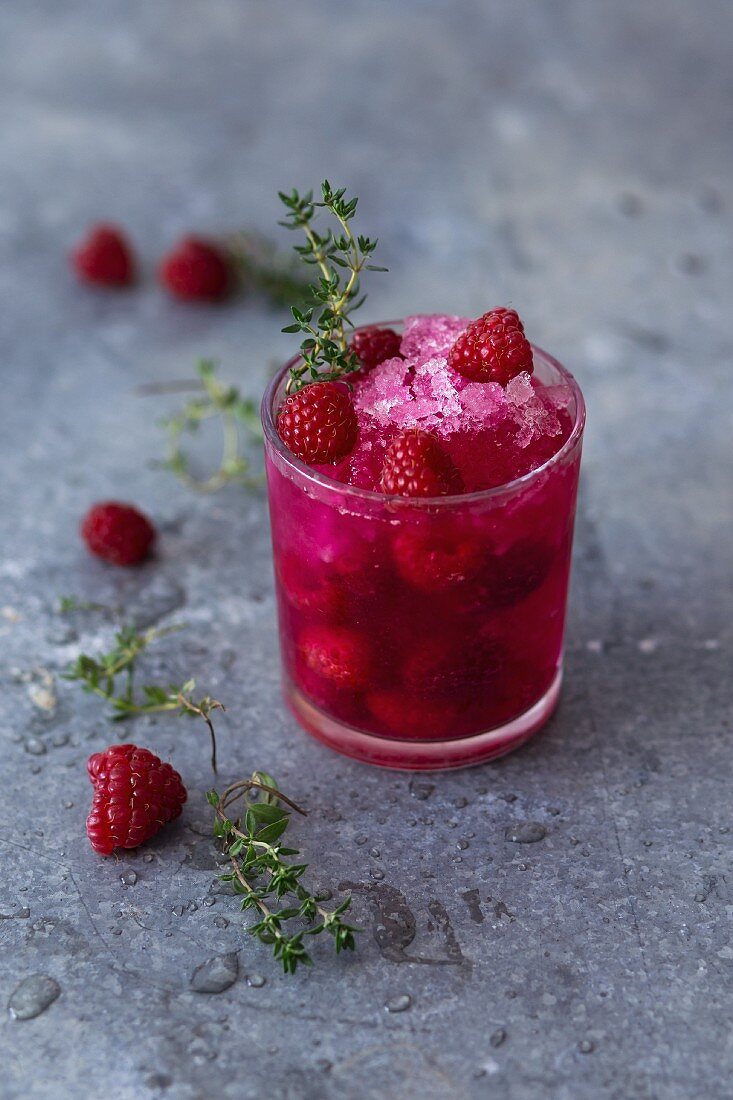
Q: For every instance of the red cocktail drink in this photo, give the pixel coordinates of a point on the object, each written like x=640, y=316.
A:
x=426, y=631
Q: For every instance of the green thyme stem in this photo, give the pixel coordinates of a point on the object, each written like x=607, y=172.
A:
x=324, y=352
x=260, y=872
x=98, y=676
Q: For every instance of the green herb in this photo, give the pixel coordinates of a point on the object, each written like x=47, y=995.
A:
x=215, y=401
x=340, y=258
x=261, y=872
x=261, y=269
x=111, y=675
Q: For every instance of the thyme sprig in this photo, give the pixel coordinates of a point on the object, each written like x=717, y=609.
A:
x=214, y=401
x=111, y=676
x=340, y=258
x=261, y=873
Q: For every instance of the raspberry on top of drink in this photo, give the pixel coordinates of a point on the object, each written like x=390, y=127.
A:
x=451, y=407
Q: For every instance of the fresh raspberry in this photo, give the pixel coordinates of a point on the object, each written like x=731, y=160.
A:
x=135, y=795
x=373, y=345
x=196, y=270
x=492, y=349
x=437, y=559
x=402, y=715
x=416, y=465
x=117, y=533
x=104, y=257
x=318, y=423
x=521, y=570
x=318, y=595
x=340, y=656
x=436, y=667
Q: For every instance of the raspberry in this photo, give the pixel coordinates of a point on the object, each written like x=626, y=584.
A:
x=416, y=465
x=117, y=533
x=373, y=345
x=196, y=270
x=135, y=795
x=104, y=257
x=319, y=596
x=318, y=423
x=337, y=655
x=469, y=664
x=521, y=570
x=492, y=349
x=405, y=716
x=436, y=559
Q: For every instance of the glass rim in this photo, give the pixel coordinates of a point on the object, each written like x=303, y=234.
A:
x=324, y=482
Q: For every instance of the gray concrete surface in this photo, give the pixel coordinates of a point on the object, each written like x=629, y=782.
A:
x=573, y=157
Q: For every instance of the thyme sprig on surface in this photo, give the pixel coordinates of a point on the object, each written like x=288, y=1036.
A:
x=111, y=676
x=261, y=873
x=214, y=401
x=340, y=257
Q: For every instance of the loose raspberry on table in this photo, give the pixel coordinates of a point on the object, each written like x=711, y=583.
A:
x=196, y=270
x=104, y=257
x=492, y=348
x=135, y=795
x=118, y=533
x=373, y=345
x=318, y=423
x=416, y=465
x=338, y=655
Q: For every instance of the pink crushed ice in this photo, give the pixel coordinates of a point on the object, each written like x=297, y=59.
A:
x=493, y=433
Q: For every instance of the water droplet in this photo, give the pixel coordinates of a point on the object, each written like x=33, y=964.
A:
x=525, y=832
x=33, y=996
x=35, y=747
x=116, y=931
x=221, y=922
x=208, y=902
x=723, y=829
x=509, y=797
x=128, y=878
x=374, y=853
x=191, y=907
x=399, y=1004
x=377, y=874
x=148, y=857
x=460, y=803
x=59, y=740
x=700, y=897
x=647, y=843
x=421, y=791
x=217, y=974
x=177, y=910
x=324, y=895
x=462, y=845
x=11, y=909
x=586, y=1046
x=68, y=805
x=361, y=840
x=255, y=980
x=498, y=1037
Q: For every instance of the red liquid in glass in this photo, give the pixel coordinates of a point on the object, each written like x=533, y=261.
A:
x=423, y=633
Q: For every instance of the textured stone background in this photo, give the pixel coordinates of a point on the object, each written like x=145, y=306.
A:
x=573, y=157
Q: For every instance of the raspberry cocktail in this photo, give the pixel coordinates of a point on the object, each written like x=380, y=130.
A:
x=422, y=518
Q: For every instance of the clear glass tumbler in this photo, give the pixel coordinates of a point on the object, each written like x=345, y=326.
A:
x=423, y=633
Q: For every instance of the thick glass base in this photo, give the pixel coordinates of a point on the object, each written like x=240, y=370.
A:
x=411, y=755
